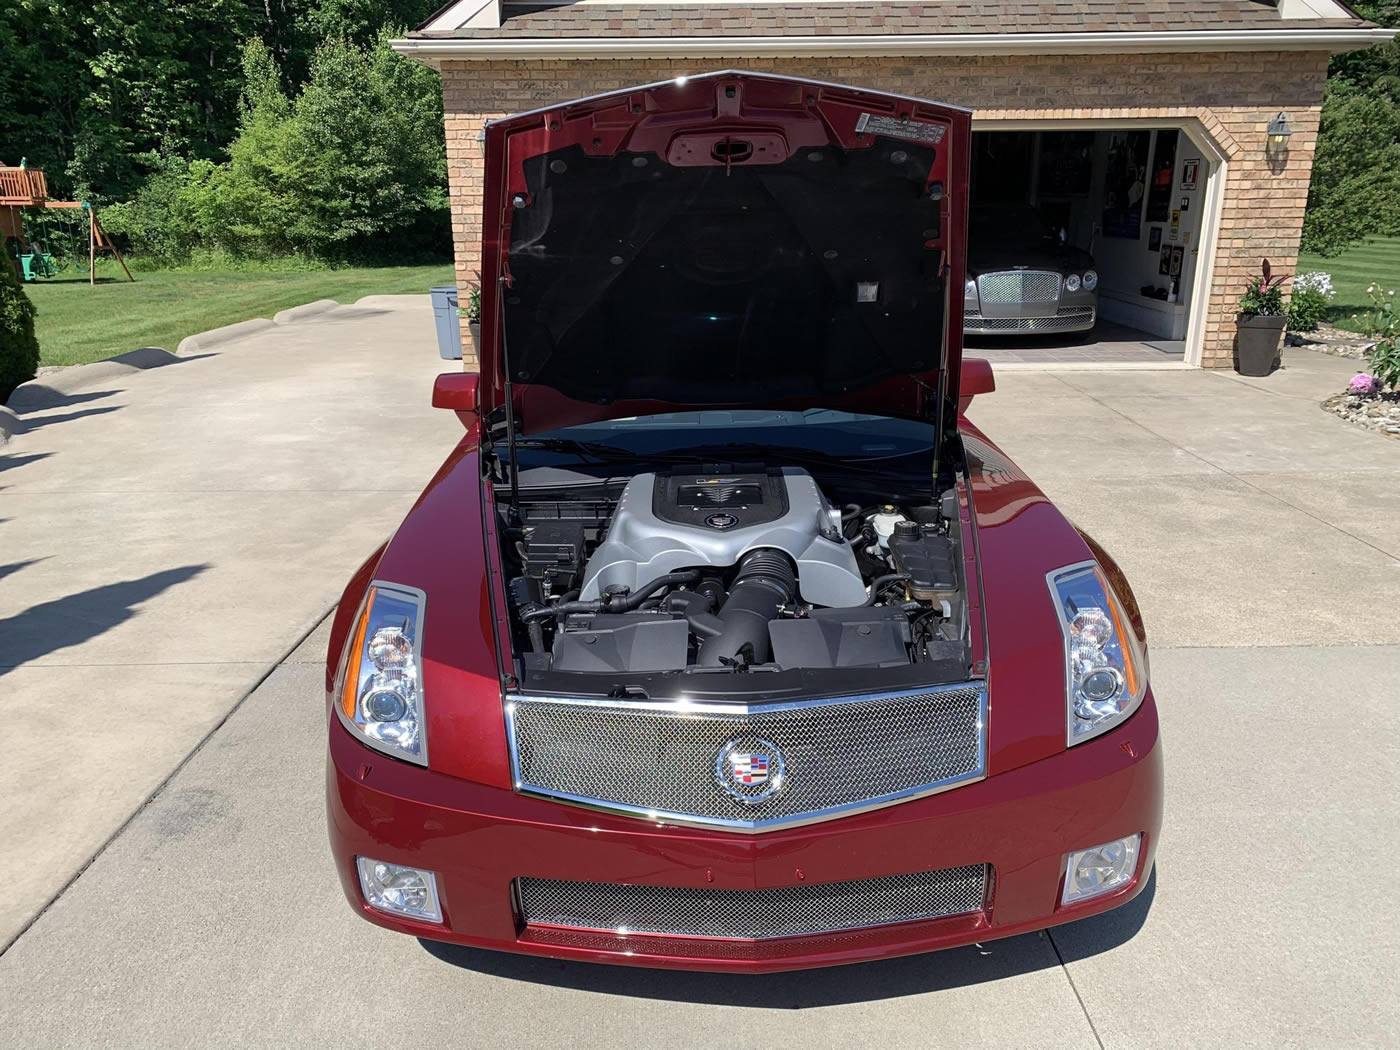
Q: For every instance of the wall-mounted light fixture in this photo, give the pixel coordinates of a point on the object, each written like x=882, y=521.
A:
x=1278, y=132
x=481, y=138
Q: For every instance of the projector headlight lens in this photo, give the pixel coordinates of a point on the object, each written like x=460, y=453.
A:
x=1093, y=872
x=399, y=890
x=1091, y=280
x=1072, y=283
x=380, y=698
x=1105, y=670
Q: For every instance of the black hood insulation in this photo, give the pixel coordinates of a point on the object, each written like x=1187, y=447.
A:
x=635, y=279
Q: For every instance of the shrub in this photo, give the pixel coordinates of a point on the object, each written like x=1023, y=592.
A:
x=161, y=221
x=1382, y=324
x=19, y=350
x=1308, y=304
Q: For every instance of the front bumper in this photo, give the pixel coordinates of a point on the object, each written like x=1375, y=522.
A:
x=480, y=839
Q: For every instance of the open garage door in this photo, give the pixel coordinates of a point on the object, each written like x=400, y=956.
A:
x=1084, y=244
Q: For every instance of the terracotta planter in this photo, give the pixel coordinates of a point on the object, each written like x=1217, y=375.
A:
x=1257, y=343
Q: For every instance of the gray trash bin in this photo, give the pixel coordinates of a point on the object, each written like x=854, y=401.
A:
x=449, y=327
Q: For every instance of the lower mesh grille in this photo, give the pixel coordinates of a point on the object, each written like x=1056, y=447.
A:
x=1069, y=317
x=789, y=911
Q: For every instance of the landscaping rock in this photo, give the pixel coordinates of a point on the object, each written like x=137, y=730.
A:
x=1374, y=411
x=1335, y=341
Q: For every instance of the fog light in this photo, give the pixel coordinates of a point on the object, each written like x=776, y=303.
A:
x=1094, y=872
x=410, y=892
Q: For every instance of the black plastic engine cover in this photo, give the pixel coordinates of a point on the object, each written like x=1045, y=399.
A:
x=719, y=501
x=621, y=642
x=863, y=637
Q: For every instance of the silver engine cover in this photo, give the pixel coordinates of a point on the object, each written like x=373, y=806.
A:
x=640, y=546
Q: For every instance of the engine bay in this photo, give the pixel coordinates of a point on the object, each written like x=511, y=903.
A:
x=730, y=570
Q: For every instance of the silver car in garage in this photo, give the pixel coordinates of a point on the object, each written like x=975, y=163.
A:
x=1023, y=276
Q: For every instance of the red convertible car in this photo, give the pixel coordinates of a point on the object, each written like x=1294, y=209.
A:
x=723, y=640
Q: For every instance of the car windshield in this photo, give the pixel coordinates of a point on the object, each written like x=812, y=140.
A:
x=1008, y=224
x=741, y=434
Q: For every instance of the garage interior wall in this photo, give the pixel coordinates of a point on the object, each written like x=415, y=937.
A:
x=1062, y=172
x=1233, y=96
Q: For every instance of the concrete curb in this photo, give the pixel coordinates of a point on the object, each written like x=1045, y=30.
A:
x=51, y=389
x=392, y=302
x=302, y=312
x=192, y=344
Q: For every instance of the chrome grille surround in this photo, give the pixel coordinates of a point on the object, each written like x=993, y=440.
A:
x=1009, y=287
x=657, y=759
x=788, y=911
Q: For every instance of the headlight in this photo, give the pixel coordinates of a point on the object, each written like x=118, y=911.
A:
x=970, y=289
x=1105, y=670
x=1072, y=283
x=380, y=698
x=1091, y=280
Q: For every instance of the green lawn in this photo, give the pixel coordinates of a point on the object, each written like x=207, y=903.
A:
x=77, y=323
x=1375, y=261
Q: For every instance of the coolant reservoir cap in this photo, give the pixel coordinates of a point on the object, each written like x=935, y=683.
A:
x=906, y=530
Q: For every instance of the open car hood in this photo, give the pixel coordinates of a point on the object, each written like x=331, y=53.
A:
x=726, y=240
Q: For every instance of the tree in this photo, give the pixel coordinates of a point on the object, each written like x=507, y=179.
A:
x=353, y=166
x=93, y=90
x=19, y=349
x=1355, y=189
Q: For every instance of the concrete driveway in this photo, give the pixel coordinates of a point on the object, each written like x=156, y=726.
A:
x=1259, y=534
x=168, y=535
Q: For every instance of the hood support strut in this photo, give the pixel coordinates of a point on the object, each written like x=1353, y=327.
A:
x=510, y=421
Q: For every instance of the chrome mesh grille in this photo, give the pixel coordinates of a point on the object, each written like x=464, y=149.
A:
x=790, y=911
x=1069, y=317
x=828, y=757
x=1018, y=286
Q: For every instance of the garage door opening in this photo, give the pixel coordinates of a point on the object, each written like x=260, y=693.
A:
x=1083, y=245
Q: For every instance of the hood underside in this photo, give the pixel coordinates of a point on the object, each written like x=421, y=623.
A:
x=724, y=240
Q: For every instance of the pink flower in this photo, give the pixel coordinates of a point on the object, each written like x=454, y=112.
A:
x=1361, y=383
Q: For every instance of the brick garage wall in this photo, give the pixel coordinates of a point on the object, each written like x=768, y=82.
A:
x=1233, y=96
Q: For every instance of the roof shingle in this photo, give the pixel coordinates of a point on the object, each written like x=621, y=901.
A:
x=929, y=17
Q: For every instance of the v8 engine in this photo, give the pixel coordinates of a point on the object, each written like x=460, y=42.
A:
x=666, y=522
x=741, y=570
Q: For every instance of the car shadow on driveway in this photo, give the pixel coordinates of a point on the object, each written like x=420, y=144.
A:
x=73, y=619
x=831, y=986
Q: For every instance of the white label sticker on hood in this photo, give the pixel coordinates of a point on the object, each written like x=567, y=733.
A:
x=892, y=127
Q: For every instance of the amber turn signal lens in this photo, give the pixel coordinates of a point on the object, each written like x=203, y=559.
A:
x=350, y=681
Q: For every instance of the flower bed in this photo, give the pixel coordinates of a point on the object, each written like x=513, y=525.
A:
x=1373, y=399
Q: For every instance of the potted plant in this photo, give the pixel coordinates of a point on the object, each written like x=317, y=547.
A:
x=474, y=318
x=1260, y=325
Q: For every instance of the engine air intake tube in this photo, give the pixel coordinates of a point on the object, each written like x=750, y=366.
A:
x=766, y=580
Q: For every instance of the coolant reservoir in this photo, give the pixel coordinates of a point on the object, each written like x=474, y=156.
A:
x=927, y=557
